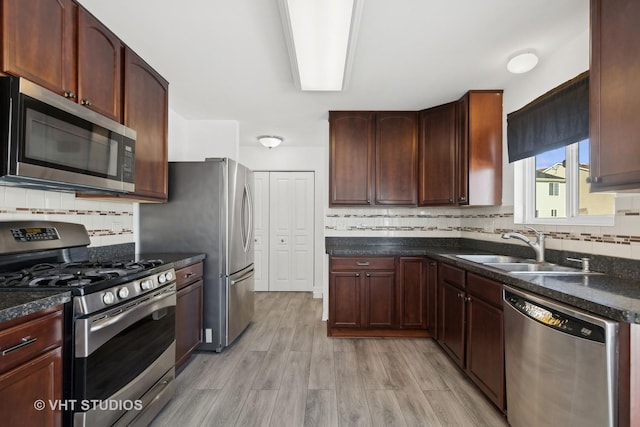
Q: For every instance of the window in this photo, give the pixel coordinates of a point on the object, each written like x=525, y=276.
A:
x=556, y=189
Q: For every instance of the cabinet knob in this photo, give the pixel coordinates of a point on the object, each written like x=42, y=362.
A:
x=368, y=275
x=69, y=94
x=462, y=199
x=85, y=101
x=357, y=274
x=467, y=299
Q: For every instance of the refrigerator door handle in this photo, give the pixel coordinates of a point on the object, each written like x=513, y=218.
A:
x=247, y=218
x=246, y=276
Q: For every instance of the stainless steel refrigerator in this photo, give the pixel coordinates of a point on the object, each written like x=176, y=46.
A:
x=210, y=210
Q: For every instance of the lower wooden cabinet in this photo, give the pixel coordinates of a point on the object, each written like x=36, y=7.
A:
x=188, y=312
x=31, y=369
x=381, y=296
x=471, y=328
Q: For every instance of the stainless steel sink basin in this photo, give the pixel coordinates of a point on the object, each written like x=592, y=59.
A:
x=537, y=268
x=494, y=259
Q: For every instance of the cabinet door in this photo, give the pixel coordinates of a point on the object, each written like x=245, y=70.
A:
x=37, y=380
x=188, y=321
x=613, y=91
x=485, y=348
x=437, y=150
x=431, y=276
x=379, y=293
x=396, y=158
x=38, y=42
x=461, y=194
x=146, y=111
x=451, y=315
x=480, y=175
x=99, y=67
x=344, y=299
x=413, y=307
x=350, y=157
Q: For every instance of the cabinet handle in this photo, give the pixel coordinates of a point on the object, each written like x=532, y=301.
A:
x=362, y=263
x=357, y=274
x=69, y=94
x=368, y=275
x=86, y=102
x=25, y=341
x=189, y=274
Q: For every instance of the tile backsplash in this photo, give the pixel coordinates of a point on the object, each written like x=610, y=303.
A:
x=620, y=240
x=108, y=223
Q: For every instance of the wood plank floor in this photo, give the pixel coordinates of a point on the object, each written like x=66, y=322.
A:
x=285, y=371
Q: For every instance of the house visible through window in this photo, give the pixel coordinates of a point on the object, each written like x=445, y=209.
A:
x=554, y=189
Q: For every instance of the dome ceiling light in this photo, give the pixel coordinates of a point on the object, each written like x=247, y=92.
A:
x=522, y=62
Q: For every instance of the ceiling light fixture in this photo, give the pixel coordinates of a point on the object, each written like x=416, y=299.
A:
x=270, y=141
x=522, y=62
x=321, y=38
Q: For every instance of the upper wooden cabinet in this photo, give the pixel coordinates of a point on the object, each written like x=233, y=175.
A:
x=350, y=157
x=62, y=47
x=437, y=155
x=613, y=93
x=479, y=148
x=396, y=158
x=99, y=67
x=146, y=106
x=373, y=158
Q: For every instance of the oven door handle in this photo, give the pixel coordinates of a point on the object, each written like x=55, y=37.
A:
x=92, y=332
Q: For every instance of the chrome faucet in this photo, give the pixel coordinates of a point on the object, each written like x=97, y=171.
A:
x=537, y=246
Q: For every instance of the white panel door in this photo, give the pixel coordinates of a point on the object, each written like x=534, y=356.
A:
x=261, y=230
x=291, y=218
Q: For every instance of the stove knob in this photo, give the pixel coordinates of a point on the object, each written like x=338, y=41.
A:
x=108, y=298
x=162, y=278
x=146, y=285
x=169, y=276
x=123, y=293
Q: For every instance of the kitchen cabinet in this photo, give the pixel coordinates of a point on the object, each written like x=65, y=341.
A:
x=373, y=158
x=479, y=148
x=381, y=296
x=189, y=286
x=31, y=369
x=396, y=158
x=350, y=157
x=361, y=292
x=413, y=293
x=471, y=328
x=62, y=47
x=39, y=43
x=146, y=110
x=613, y=95
x=437, y=155
x=99, y=67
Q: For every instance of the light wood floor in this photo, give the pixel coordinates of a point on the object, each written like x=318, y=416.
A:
x=285, y=371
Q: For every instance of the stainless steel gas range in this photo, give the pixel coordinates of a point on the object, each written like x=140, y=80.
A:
x=121, y=322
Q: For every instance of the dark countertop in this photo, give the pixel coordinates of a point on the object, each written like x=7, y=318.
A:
x=179, y=260
x=612, y=297
x=18, y=304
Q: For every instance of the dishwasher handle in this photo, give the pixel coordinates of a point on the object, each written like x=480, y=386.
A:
x=555, y=319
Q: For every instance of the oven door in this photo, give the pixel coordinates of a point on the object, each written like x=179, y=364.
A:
x=121, y=355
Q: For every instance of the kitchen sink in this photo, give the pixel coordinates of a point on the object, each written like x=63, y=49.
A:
x=523, y=266
x=494, y=259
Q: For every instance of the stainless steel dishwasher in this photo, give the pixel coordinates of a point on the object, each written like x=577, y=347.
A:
x=561, y=364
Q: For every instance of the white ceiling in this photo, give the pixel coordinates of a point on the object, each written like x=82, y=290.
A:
x=227, y=59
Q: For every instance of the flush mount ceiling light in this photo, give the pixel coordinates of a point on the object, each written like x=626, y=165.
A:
x=522, y=62
x=270, y=141
x=321, y=38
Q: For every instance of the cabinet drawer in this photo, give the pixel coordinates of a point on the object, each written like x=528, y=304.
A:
x=487, y=290
x=452, y=275
x=188, y=274
x=23, y=342
x=362, y=263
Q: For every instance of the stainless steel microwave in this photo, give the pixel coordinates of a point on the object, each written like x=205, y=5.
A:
x=50, y=142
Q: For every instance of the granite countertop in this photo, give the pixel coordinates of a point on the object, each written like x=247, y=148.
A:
x=179, y=260
x=612, y=297
x=18, y=304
